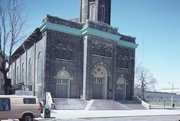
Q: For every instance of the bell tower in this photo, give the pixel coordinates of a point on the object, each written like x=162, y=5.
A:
x=96, y=10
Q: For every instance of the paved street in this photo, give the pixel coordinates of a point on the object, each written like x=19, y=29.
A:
x=139, y=118
x=123, y=118
x=115, y=115
x=74, y=114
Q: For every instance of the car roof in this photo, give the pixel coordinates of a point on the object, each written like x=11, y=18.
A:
x=17, y=96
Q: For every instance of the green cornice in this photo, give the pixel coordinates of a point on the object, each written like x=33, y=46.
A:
x=95, y=32
x=127, y=44
x=87, y=31
x=60, y=28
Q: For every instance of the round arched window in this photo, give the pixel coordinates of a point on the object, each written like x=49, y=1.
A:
x=100, y=74
x=63, y=77
x=121, y=83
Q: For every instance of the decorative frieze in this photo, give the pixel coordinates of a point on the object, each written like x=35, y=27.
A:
x=124, y=57
x=65, y=50
x=102, y=48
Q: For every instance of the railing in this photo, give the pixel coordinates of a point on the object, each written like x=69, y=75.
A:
x=49, y=100
x=146, y=105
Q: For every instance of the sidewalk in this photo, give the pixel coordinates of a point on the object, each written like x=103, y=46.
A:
x=164, y=107
x=75, y=114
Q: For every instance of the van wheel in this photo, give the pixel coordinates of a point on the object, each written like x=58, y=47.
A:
x=27, y=117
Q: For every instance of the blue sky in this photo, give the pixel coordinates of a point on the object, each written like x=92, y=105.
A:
x=154, y=23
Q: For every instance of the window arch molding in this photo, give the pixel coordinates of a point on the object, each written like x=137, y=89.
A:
x=63, y=77
x=100, y=77
x=63, y=80
x=17, y=75
x=29, y=71
x=39, y=68
x=23, y=73
x=102, y=13
x=100, y=72
x=121, y=82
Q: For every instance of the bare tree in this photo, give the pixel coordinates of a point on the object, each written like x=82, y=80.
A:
x=11, y=26
x=144, y=80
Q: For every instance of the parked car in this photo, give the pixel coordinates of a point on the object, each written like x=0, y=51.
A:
x=24, y=108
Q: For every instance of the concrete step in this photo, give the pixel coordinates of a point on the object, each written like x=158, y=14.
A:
x=69, y=104
x=108, y=105
x=95, y=104
x=134, y=104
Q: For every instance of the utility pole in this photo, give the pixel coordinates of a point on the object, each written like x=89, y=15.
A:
x=172, y=96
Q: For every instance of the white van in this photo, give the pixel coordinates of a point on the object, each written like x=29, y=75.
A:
x=24, y=108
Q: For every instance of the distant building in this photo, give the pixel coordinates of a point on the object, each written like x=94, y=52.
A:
x=80, y=58
x=176, y=90
x=161, y=96
x=157, y=96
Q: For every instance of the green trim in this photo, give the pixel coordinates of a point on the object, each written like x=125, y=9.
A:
x=127, y=44
x=95, y=32
x=60, y=28
x=87, y=31
x=106, y=35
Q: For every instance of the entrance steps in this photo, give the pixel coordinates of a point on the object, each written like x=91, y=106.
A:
x=69, y=104
x=133, y=104
x=95, y=104
x=108, y=105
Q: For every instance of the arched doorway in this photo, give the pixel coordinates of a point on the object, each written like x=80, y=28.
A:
x=121, y=88
x=99, y=83
x=63, y=84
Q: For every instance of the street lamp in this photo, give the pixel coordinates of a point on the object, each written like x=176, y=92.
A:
x=172, y=96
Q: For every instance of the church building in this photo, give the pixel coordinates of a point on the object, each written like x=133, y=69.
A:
x=79, y=58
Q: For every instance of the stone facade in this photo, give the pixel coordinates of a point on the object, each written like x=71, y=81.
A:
x=89, y=60
x=63, y=53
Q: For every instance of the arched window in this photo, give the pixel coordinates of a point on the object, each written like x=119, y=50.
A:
x=39, y=68
x=92, y=11
x=17, y=75
x=102, y=13
x=30, y=72
x=100, y=82
x=121, y=83
x=22, y=73
x=14, y=76
x=63, y=77
x=100, y=74
x=63, y=84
